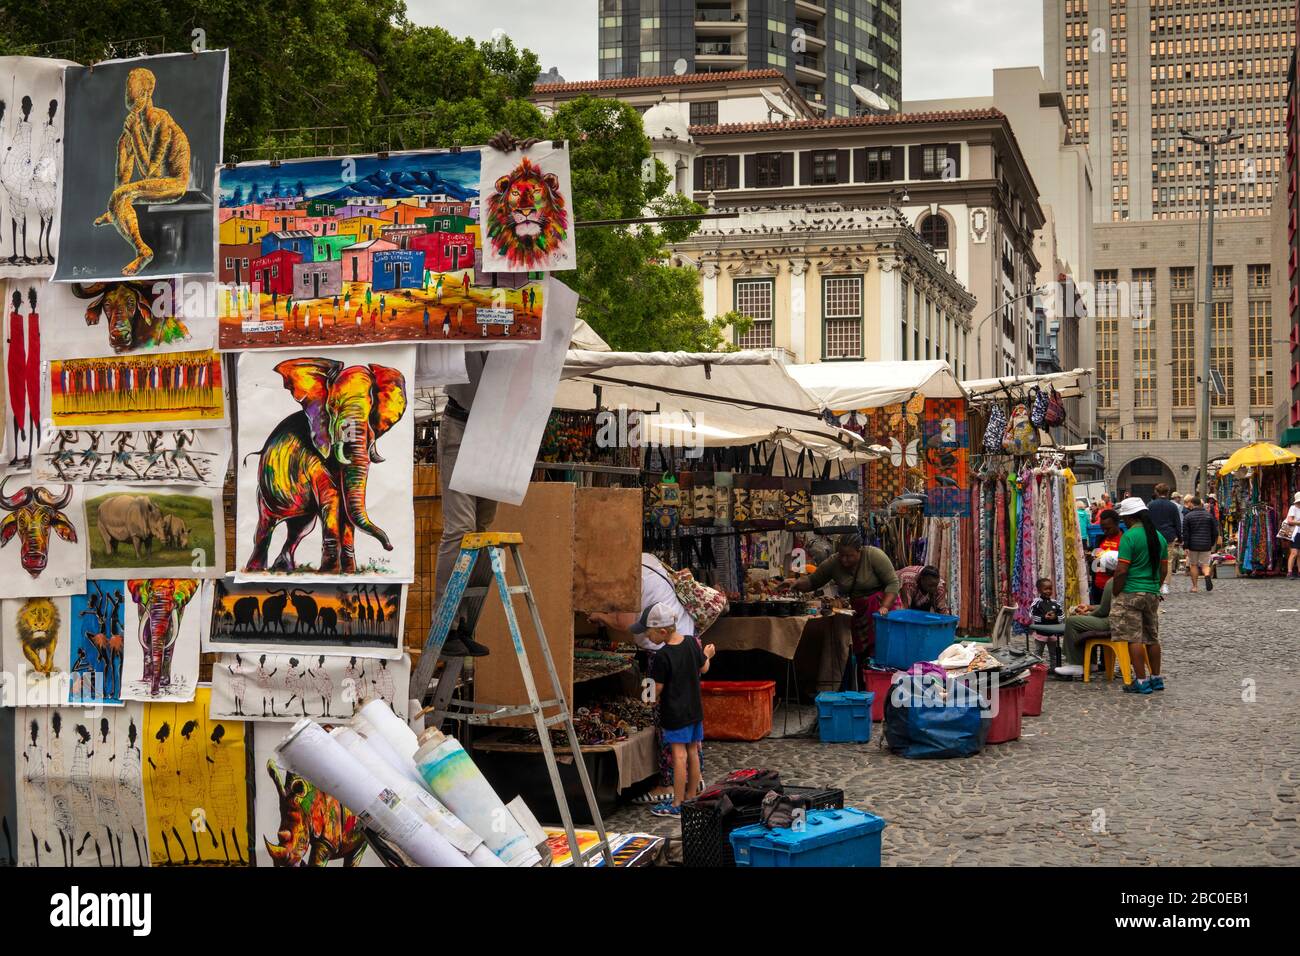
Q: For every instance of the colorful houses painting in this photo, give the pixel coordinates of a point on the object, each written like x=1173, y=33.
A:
x=339, y=238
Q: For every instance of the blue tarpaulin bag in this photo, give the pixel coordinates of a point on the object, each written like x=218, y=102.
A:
x=920, y=723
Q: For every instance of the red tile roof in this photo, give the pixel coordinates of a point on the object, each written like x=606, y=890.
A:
x=650, y=82
x=843, y=122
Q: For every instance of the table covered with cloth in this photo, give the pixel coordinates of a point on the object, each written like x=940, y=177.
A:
x=819, y=646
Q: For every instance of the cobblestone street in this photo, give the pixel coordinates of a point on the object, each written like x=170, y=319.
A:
x=1191, y=776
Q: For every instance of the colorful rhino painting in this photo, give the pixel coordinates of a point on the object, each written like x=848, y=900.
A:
x=314, y=827
x=160, y=605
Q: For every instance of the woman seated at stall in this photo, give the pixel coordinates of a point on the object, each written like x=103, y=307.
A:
x=1083, y=619
x=922, y=589
x=865, y=575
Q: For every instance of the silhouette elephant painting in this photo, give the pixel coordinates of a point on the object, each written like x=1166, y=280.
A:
x=154, y=667
x=314, y=619
x=316, y=468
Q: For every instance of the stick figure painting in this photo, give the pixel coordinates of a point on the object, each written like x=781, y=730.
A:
x=142, y=143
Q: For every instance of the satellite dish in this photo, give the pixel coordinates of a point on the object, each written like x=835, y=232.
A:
x=777, y=105
x=681, y=66
x=870, y=98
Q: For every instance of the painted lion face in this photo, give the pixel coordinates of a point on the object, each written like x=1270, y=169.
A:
x=527, y=220
x=40, y=615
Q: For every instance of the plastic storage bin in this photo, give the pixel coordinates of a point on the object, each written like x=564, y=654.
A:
x=706, y=834
x=1005, y=725
x=845, y=717
x=1033, y=705
x=877, y=682
x=737, y=710
x=847, y=837
x=905, y=637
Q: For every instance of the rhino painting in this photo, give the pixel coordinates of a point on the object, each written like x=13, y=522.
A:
x=314, y=827
x=129, y=518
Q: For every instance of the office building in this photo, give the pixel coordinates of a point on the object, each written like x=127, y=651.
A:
x=823, y=46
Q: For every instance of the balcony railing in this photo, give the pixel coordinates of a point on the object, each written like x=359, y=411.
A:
x=705, y=15
x=715, y=49
x=809, y=61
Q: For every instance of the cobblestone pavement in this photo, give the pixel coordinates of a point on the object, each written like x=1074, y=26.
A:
x=1198, y=774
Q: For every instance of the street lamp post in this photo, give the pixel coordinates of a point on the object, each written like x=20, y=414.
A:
x=1211, y=143
x=978, y=326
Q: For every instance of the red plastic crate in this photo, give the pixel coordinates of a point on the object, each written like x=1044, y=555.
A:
x=737, y=710
x=877, y=682
x=1033, y=703
x=1005, y=726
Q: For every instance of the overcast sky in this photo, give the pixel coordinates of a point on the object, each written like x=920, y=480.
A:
x=950, y=47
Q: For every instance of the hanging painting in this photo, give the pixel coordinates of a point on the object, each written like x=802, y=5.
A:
x=195, y=786
x=528, y=210
x=27, y=397
x=289, y=687
x=8, y=790
x=80, y=794
x=364, y=249
x=31, y=155
x=97, y=643
x=100, y=319
x=143, y=141
x=156, y=456
x=946, y=446
x=34, y=649
x=361, y=620
x=138, y=531
x=42, y=540
x=296, y=824
x=325, y=467
x=167, y=390
x=161, y=638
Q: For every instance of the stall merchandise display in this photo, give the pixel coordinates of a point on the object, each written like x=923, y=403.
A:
x=1261, y=502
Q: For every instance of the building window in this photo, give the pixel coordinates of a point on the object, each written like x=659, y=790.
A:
x=715, y=172
x=1221, y=429
x=767, y=168
x=842, y=317
x=1144, y=363
x=1257, y=278
x=1222, y=277
x=1183, y=322
x=704, y=114
x=1221, y=353
x=880, y=165
x=1181, y=278
x=934, y=162
x=934, y=230
x=754, y=298
x=1107, y=339
x=825, y=164
x=1261, y=350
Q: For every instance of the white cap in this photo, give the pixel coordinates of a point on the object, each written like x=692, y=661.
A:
x=657, y=615
x=1131, y=506
x=1296, y=500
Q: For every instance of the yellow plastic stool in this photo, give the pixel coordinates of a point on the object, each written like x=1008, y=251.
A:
x=1110, y=652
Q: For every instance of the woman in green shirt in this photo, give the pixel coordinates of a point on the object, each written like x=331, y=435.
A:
x=865, y=575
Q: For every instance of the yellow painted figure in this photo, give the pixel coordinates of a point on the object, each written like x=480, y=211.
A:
x=153, y=164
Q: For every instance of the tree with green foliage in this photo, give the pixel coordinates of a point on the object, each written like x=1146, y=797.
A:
x=314, y=77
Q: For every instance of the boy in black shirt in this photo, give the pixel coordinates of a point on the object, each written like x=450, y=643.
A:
x=676, y=670
x=1046, y=610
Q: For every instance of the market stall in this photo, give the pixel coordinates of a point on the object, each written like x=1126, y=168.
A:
x=1258, y=483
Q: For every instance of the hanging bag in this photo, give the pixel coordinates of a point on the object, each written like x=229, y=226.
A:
x=996, y=430
x=703, y=603
x=686, y=500
x=796, y=496
x=1038, y=408
x=1055, y=414
x=761, y=495
x=1022, y=437
x=836, y=503
x=723, y=486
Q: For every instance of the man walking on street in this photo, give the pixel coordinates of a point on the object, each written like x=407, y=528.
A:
x=1200, y=534
x=1164, y=513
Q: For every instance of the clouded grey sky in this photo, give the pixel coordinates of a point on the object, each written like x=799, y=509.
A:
x=950, y=47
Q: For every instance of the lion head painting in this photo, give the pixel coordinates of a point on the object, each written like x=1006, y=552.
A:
x=527, y=219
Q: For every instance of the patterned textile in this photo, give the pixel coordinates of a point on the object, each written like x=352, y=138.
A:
x=1076, y=561
x=945, y=444
x=1062, y=519
x=1026, y=559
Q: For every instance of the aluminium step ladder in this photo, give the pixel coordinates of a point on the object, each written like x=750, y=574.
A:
x=469, y=571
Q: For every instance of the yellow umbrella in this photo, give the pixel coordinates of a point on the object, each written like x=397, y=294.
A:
x=1256, y=455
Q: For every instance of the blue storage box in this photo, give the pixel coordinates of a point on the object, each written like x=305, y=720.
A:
x=1095, y=534
x=847, y=837
x=844, y=718
x=905, y=637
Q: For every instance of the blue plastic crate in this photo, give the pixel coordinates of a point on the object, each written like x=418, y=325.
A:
x=905, y=637
x=844, y=718
x=1095, y=534
x=847, y=837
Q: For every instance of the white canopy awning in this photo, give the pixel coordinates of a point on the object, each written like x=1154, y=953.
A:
x=1069, y=384
x=849, y=386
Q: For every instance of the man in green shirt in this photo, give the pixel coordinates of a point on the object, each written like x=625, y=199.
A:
x=1135, y=610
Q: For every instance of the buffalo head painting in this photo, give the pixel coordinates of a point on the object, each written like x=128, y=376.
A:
x=315, y=463
x=33, y=513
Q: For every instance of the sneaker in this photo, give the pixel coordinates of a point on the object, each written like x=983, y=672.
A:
x=1070, y=670
x=1157, y=683
x=666, y=809
x=1137, y=687
x=1209, y=584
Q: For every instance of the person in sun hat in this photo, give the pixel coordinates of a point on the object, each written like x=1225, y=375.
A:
x=1293, y=522
x=1134, y=613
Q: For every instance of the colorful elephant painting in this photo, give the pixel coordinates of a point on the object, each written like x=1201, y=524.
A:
x=161, y=603
x=316, y=463
x=314, y=827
